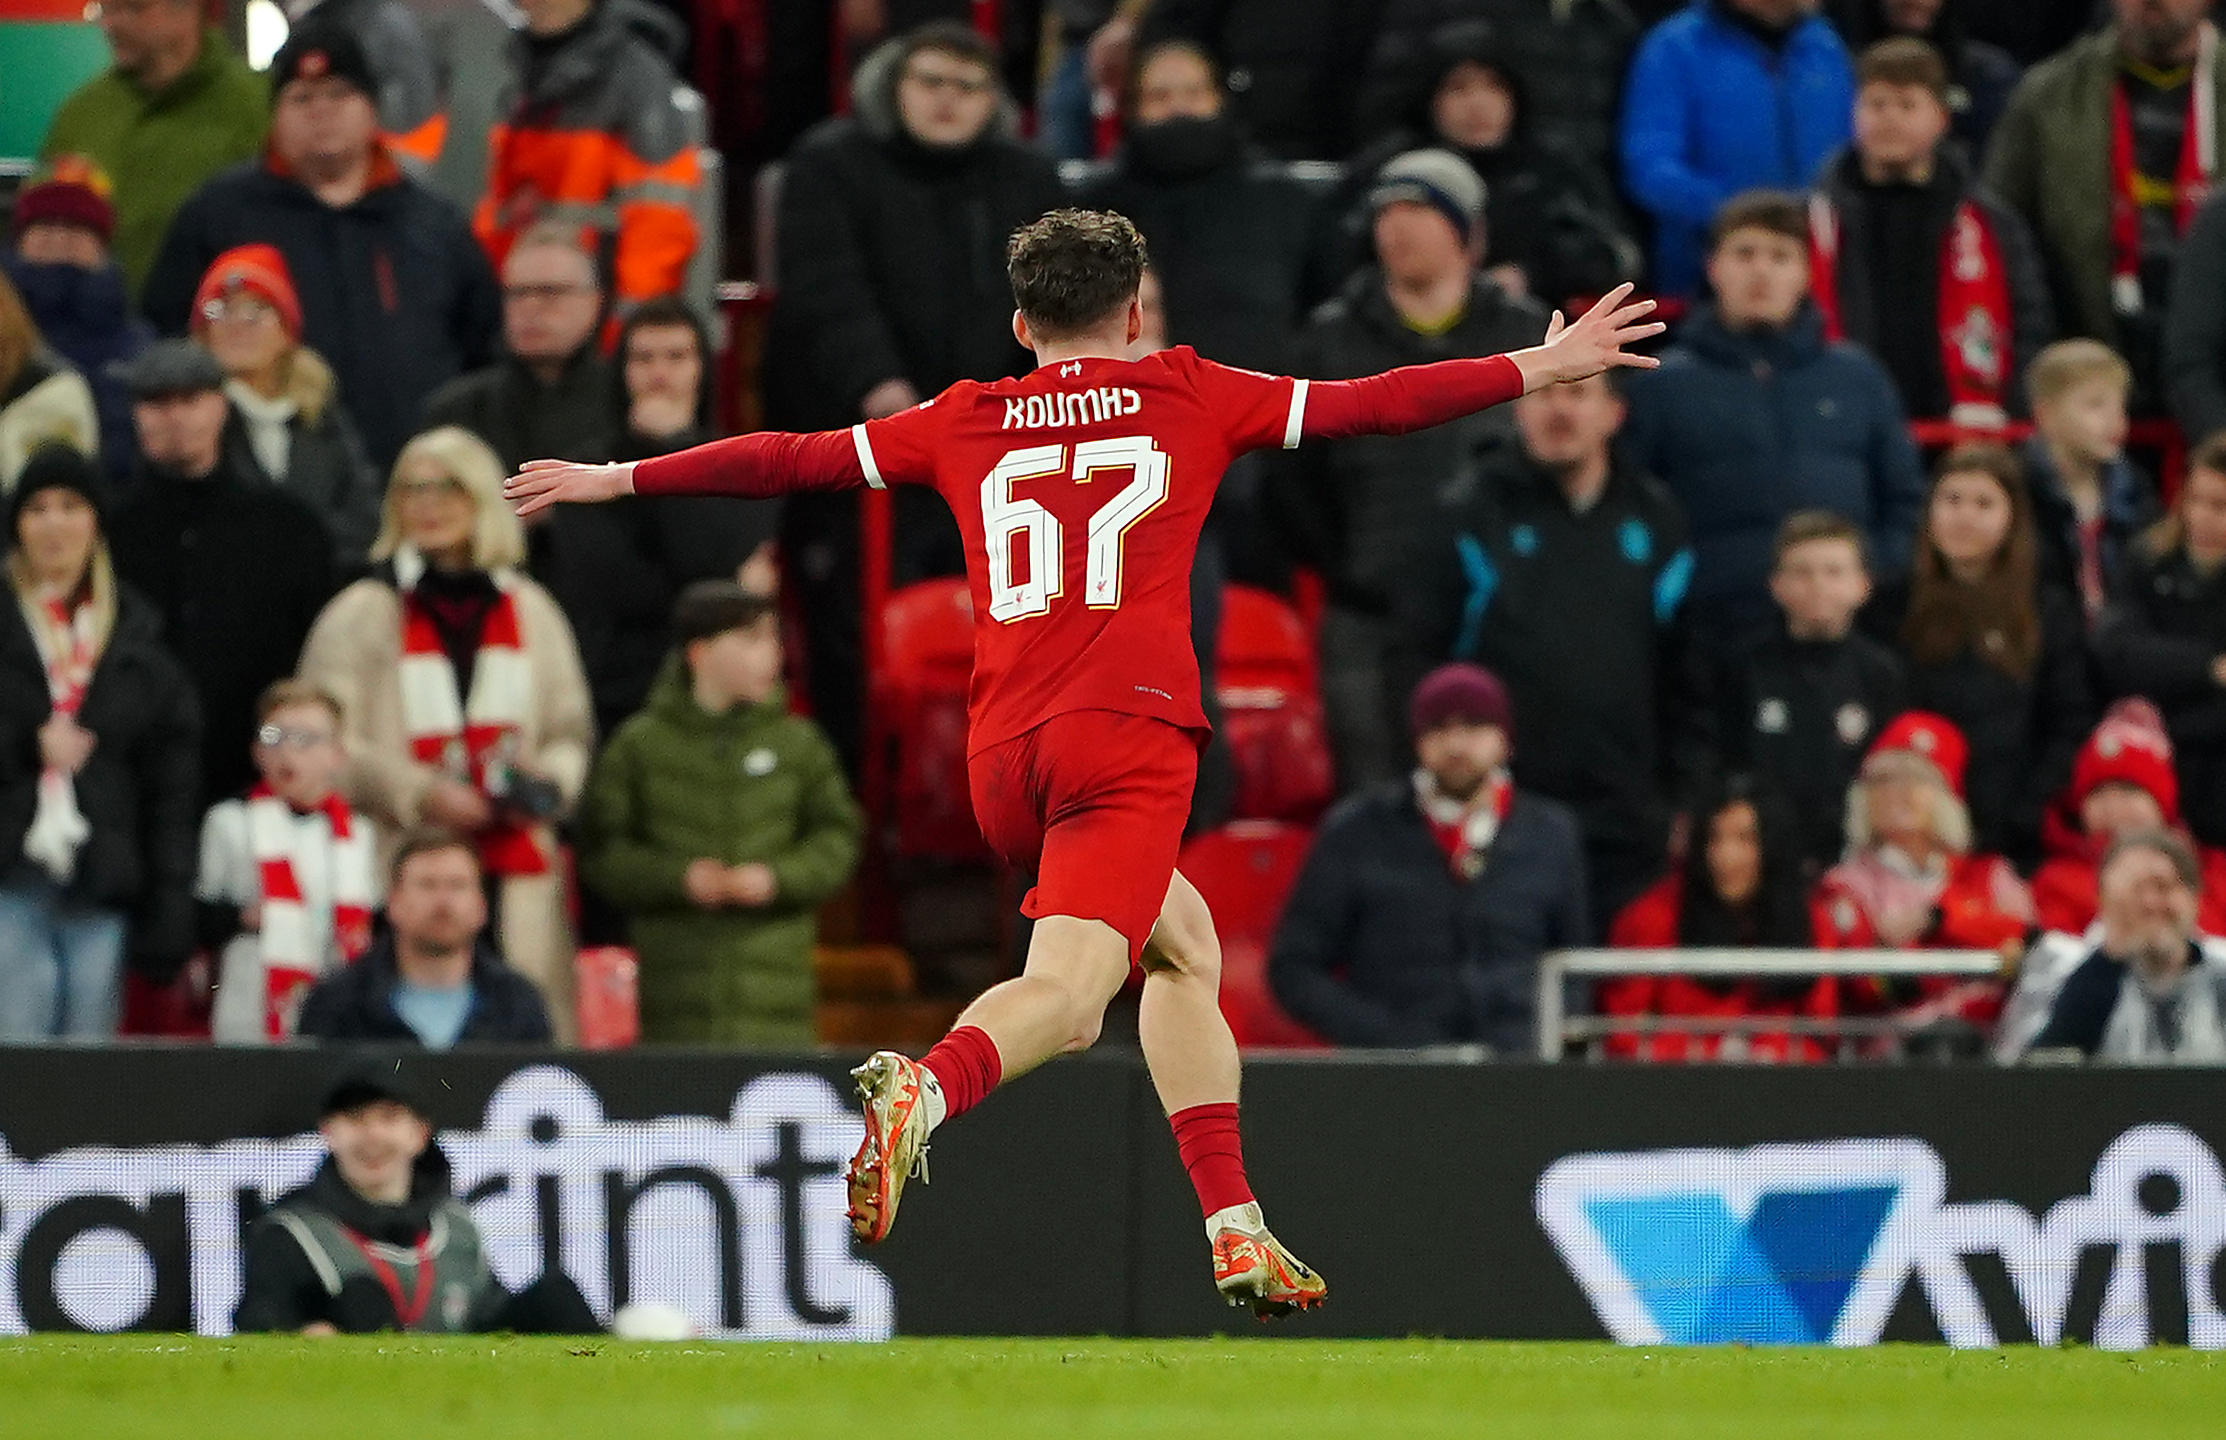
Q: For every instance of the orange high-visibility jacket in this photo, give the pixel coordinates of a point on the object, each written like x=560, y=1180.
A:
x=600, y=133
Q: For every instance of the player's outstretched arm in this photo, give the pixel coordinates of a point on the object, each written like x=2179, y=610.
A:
x=542, y=483
x=766, y=463
x=1415, y=397
x=1597, y=342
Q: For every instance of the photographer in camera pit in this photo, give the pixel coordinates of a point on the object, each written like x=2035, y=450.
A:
x=465, y=703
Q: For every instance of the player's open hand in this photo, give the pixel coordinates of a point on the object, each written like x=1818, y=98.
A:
x=542, y=483
x=1595, y=342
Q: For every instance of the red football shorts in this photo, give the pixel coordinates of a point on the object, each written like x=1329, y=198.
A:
x=1094, y=801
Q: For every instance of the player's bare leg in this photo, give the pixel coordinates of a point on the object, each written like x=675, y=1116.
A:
x=1056, y=1004
x=1194, y=1066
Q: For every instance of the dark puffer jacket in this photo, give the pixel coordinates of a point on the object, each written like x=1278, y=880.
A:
x=1293, y=65
x=1746, y=428
x=139, y=792
x=86, y=316
x=1571, y=55
x=1382, y=945
x=395, y=292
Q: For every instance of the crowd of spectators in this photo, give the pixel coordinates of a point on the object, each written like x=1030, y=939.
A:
x=1713, y=655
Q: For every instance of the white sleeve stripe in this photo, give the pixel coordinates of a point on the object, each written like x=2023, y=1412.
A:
x=1298, y=415
x=865, y=456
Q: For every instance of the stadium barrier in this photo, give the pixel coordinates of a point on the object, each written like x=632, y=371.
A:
x=1558, y=1030
x=1650, y=1205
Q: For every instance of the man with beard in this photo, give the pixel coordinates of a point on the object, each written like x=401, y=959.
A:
x=1426, y=902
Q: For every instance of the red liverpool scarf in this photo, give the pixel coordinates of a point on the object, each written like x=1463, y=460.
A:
x=475, y=738
x=292, y=958
x=1975, y=318
x=2190, y=184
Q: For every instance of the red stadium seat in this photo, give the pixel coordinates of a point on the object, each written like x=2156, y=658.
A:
x=927, y=637
x=1245, y=871
x=1271, y=708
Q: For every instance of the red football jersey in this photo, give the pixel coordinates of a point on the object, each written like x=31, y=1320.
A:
x=1079, y=490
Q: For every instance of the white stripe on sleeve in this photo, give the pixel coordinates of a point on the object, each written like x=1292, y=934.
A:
x=1298, y=415
x=865, y=456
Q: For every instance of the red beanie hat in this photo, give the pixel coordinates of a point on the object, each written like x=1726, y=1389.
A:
x=2129, y=747
x=1932, y=739
x=259, y=270
x=69, y=190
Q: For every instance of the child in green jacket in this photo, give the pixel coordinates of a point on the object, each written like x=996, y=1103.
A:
x=719, y=822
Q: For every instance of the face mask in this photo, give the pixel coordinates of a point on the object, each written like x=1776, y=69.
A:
x=1185, y=147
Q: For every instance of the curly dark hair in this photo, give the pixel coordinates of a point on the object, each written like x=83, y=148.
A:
x=1072, y=270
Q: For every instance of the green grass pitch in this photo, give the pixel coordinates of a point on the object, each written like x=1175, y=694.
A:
x=180, y=1388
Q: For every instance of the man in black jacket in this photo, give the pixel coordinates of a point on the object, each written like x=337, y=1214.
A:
x=1355, y=508
x=1549, y=550
x=550, y=393
x=1425, y=903
x=237, y=568
x=892, y=229
x=377, y=1239
x=395, y=292
x=433, y=979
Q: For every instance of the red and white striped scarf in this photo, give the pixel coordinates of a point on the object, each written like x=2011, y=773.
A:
x=470, y=738
x=2191, y=180
x=292, y=958
x=70, y=641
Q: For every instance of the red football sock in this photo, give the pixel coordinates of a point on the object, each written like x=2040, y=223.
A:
x=965, y=1063
x=1206, y=1137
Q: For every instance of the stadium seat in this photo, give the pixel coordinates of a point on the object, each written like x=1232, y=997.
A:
x=1245, y=871
x=919, y=714
x=1271, y=708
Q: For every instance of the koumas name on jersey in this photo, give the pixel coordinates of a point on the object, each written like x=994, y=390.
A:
x=1080, y=489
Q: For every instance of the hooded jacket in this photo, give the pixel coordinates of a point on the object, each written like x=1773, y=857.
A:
x=599, y=132
x=1710, y=109
x=755, y=784
x=395, y=293
x=1549, y=209
x=357, y=1002
x=138, y=791
x=1747, y=427
x=892, y=258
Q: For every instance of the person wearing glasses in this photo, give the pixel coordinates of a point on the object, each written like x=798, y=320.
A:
x=287, y=879
x=97, y=797
x=551, y=393
x=394, y=290
x=287, y=424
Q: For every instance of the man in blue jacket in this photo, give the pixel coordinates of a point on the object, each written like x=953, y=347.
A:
x=1755, y=414
x=1724, y=96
